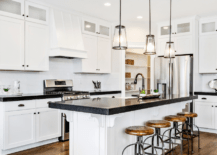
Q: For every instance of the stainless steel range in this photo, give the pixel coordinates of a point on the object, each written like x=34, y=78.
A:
x=65, y=88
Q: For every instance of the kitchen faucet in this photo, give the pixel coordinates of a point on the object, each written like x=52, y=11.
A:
x=143, y=80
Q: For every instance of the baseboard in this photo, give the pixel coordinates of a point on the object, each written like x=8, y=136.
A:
x=26, y=147
x=208, y=130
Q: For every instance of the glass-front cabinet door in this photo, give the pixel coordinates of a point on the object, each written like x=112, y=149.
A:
x=89, y=27
x=208, y=26
x=36, y=13
x=104, y=31
x=183, y=27
x=164, y=29
x=12, y=8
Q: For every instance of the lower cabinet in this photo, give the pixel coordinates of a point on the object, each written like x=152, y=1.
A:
x=23, y=127
x=48, y=124
x=19, y=128
x=207, y=115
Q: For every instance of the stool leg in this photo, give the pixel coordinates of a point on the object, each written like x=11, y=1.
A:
x=127, y=147
x=198, y=136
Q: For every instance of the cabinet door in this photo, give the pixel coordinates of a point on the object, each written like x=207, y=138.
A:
x=89, y=27
x=206, y=114
x=208, y=26
x=183, y=27
x=19, y=128
x=48, y=124
x=164, y=29
x=104, y=31
x=11, y=44
x=104, y=55
x=36, y=47
x=183, y=44
x=12, y=8
x=207, y=54
x=90, y=45
x=36, y=13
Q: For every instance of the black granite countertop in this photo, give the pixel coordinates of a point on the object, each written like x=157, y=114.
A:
x=7, y=98
x=104, y=92
x=206, y=93
x=110, y=106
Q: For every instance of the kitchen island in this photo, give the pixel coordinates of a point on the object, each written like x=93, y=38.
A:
x=97, y=125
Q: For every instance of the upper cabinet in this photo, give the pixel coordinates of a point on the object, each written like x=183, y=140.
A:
x=25, y=10
x=24, y=41
x=184, y=32
x=36, y=13
x=12, y=8
x=208, y=26
x=96, y=28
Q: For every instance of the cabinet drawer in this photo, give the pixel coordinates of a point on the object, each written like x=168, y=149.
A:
x=19, y=105
x=205, y=98
x=43, y=103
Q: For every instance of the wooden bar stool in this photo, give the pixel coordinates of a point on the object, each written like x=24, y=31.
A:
x=189, y=127
x=178, y=135
x=157, y=124
x=138, y=131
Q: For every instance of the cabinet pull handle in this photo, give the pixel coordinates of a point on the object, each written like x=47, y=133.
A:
x=203, y=98
x=23, y=15
x=212, y=105
x=175, y=32
x=38, y=112
x=27, y=16
x=34, y=113
x=21, y=105
x=27, y=66
x=23, y=65
x=216, y=106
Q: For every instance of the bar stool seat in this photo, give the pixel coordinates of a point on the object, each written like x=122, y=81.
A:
x=187, y=114
x=175, y=118
x=158, y=124
x=139, y=130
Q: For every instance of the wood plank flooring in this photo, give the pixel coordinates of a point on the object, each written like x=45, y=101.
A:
x=208, y=147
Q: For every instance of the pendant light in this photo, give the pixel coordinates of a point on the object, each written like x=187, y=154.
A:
x=150, y=40
x=170, y=51
x=120, y=37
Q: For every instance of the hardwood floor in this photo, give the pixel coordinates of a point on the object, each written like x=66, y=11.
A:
x=208, y=147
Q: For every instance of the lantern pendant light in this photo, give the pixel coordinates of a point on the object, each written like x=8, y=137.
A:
x=120, y=37
x=150, y=39
x=170, y=51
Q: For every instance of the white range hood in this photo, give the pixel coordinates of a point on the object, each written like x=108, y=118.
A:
x=66, y=36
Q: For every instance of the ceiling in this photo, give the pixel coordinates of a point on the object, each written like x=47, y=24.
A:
x=133, y=8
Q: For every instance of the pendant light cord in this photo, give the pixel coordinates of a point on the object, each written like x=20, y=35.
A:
x=120, y=27
x=170, y=19
x=149, y=17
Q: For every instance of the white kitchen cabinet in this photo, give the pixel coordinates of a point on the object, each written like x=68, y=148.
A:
x=11, y=44
x=96, y=28
x=48, y=124
x=36, y=13
x=184, y=34
x=99, y=56
x=27, y=122
x=36, y=47
x=206, y=114
x=104, y=55
x=12, y=8
x=208, y=54
x=208, y=26
x=19, y=128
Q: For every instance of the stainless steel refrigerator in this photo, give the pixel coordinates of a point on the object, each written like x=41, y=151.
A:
x=181, y=75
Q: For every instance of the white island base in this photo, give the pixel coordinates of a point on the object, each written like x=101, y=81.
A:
x=94, y=134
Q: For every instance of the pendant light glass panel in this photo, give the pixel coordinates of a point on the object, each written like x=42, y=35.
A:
x=170, y=50
x=120, y=38
x=150, y=45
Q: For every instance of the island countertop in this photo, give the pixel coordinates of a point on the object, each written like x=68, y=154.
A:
x=111, y=106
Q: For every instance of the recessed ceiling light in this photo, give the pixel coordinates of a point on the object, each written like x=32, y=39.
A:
x=88, y=26
x=139, y=17
x=107, y=4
